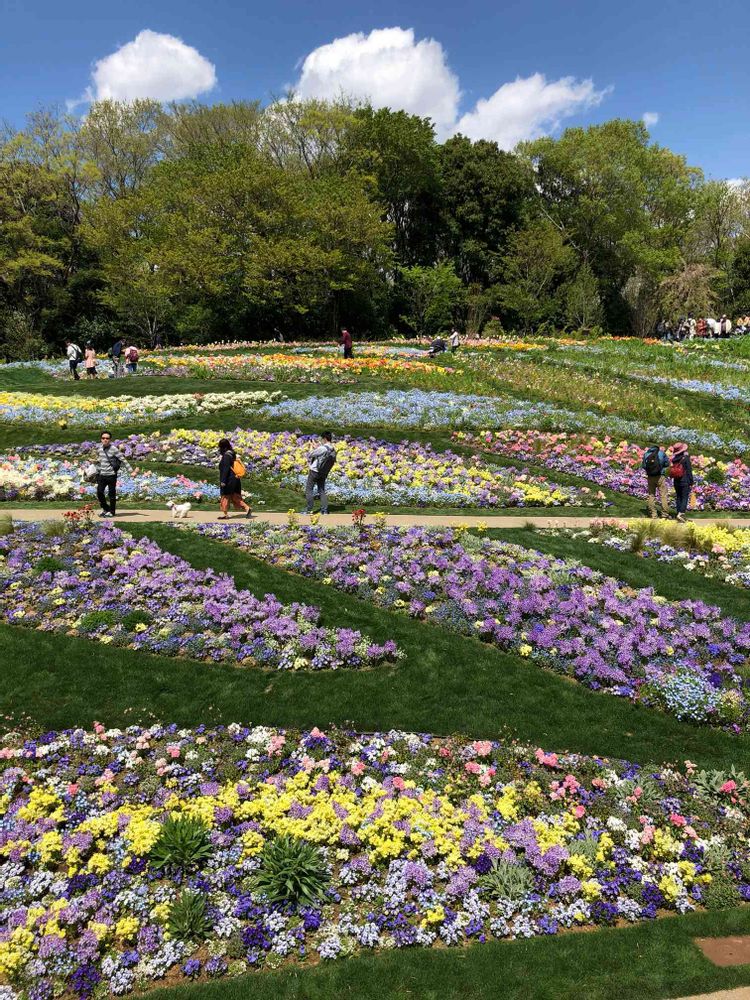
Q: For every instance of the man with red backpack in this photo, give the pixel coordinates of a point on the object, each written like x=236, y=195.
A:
x=654, y=464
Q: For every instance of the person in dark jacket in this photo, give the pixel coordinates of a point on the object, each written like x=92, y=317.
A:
x=346, y=340
x=655, y=463
x=683, y=479
x=230, y=484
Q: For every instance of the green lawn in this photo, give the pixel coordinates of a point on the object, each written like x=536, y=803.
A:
x=448, y=683
x=656, y=960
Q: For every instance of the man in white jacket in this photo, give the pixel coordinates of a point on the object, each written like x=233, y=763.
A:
x=74, y=355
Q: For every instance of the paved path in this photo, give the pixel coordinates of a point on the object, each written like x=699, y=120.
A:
x=742, y=993
x=405, y=520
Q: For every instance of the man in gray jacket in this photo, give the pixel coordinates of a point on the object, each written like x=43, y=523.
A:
x=322, y=460
x=109, y=460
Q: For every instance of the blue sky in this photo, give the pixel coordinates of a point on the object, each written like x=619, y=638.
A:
x=500, y=70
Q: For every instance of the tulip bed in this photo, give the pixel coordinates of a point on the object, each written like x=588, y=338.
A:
x=26, y=478
x=103, y=584
x=289, y=367
x=707, y=550
x=128, y=857
x=616, y=465
x=685, y=658
x=89, y=411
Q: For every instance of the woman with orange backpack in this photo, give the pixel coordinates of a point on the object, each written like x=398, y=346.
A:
x=231, y=471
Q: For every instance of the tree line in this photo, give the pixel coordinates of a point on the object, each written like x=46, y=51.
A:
x=237, y=221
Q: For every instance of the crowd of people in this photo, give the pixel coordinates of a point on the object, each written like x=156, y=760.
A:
x=122, y=359
x=688, y=327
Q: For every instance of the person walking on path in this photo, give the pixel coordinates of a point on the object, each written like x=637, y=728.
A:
x=322, y=460
x=131, y=358
x=89, y=361
x=681, y=472
x=346, y=340
x=230, y=481
x=109, y=461
x=116, y=354
x=455, y=340
x=655, y=463
x=74, y=355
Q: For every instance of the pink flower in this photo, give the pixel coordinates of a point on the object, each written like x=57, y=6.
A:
x=579, y=811
x=173, y=751
x=472, y=767
x=729, y=786
x=317, y=733
x=358, y=768
x=648, y=835
x=546, y=759
x=677, y=819
x=444, y=752
x=399, y=783
x=482, y=747
x=98, y=728
x=73, y=789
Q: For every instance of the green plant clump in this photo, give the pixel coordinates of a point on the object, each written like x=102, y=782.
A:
x=187, y=919
x=292, y=871
x=48, y=564
x=721, y=894
x=182, y=843
x=508, y=880
x=97, y=619
x=133, y=618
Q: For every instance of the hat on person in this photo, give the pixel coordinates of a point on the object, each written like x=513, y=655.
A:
x=678, y=448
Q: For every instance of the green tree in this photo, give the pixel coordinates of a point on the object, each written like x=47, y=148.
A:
x=433, y=297
x=692, y=289
x=400, y=152
x=124, y=140
x=583, y=303
x=531, y=270
x=625, y=205
x=484, y=193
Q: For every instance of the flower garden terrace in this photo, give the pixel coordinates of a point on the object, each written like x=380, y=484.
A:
x=367, y=470
x=102, y=584
x=684, y=658
x=616, y=465
x=130, y=856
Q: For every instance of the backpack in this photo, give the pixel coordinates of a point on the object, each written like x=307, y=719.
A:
x=651, y=462
x=326, y=462
x=676, y=470
x=79, y=353
x=133, y=354
x=238, y=468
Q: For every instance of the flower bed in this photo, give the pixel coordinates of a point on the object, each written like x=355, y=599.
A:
x=685, y=658
x=706, y=549
x=30, y=407
x=25, y=478
x=616, y=464
x=288, y=367
x=367, y=470
x=104, y=584
x=130, y=856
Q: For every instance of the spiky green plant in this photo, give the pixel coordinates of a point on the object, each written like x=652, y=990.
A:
x=508, y=880
x=291, y=871
x=187, y=920
x=183, y=843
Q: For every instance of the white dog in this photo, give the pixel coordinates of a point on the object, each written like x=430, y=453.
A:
x=179, y=509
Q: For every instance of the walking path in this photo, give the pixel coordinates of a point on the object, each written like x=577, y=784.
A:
x=741, y=993
x=404, y=520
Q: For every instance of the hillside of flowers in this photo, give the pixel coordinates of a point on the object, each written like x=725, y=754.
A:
x=685, y=658
x=25, y=478
x=367, y=470
x=127, y=857
x=92, y=411
x=104, y=585
x=282, y=367
x=708, y=550
x=616, y=465
x=417, y=408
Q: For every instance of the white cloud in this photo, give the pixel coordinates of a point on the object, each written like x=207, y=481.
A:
x=391, y=68
x=153, y=65
x=388, y=67
x=737, y=182
x=528, y=108
x=650, y=118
